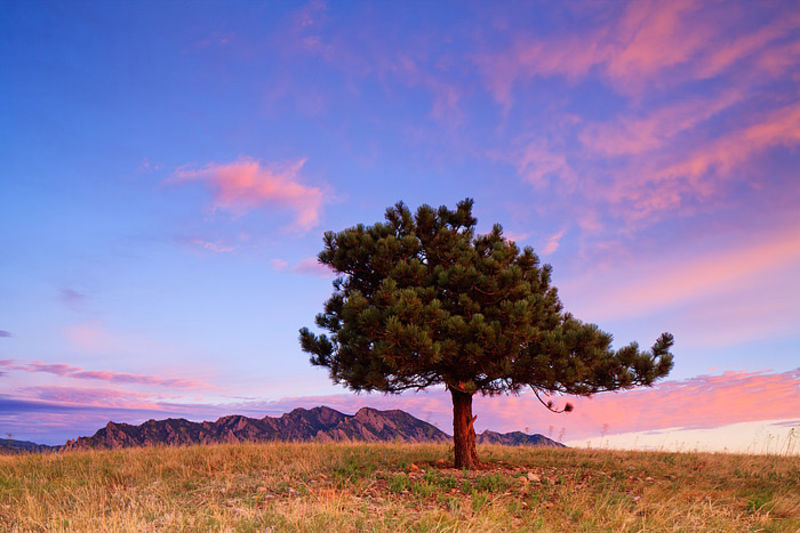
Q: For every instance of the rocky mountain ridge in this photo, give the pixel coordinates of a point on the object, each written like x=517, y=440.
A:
x=317, y=424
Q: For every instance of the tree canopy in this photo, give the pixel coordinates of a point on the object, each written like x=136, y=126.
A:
x=422, y=300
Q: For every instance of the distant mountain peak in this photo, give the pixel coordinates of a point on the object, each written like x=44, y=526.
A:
x=320, y=423
x=23, y=446
x=515, y=438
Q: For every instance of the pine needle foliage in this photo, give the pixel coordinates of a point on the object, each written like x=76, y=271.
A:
x=422, y=300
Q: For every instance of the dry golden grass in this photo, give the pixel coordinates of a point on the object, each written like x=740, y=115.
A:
x=395, y=487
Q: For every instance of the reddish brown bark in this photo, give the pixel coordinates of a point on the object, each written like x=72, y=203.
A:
x=466, y=454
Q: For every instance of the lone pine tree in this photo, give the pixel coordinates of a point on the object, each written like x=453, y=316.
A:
x=422, y=300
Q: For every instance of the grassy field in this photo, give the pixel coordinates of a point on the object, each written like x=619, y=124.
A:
x=395, y=487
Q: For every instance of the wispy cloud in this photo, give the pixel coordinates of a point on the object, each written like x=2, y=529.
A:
x=69, y=371
x=90, y=336
x=703, y=401
x=759, y=44
x=648, y=287
x=278, y=264
x=94, y=397
x=707, y=401
x=635, y=46
x=212, y=246
x=666, y=148
x=310, y=266
x=4, y=333
x=641, y=41
x=247, y=184
x=540, y=164
x=71, y=297
x=313, y=267
x=701, y=172
x=770, y=314
x=654, y=129
x=700, y=402
x=514, y=236
x=412, y=65
x=552, y=243
x=57, y=421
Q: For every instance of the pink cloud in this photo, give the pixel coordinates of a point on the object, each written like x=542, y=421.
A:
x=409, y=64
x=94, y=397
x=707, y=401
x=652, y=36
x=278, y=264
x=645, y=44
x=538, y=163
x=313, y=267
x=247, y=184
x=718, y=59
x=670, y=282
x=634, y=135
x=777, y=60
x=635, y=47
x=514, y=236
x=310, y=266
x=216, y=247
x=310, y=15
x=446, y=95
x=703, y=401
x=90, y=337
x=553, y=243
x=663, y=162
x=780, y=127
x=148, y=166
x=666, y=182
x=641, y=167
x=65, y=370
x=770, y=313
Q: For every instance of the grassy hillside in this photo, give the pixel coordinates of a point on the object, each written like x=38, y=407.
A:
x=395, y=487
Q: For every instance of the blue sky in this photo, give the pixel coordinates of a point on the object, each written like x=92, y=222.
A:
x=167, y=171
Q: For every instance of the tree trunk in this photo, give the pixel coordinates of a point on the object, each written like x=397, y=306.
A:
x=463, y=430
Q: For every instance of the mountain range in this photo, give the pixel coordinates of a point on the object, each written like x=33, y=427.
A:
x=23, y=446
x=317, y=424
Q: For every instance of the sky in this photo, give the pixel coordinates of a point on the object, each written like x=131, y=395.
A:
x=167, y=170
